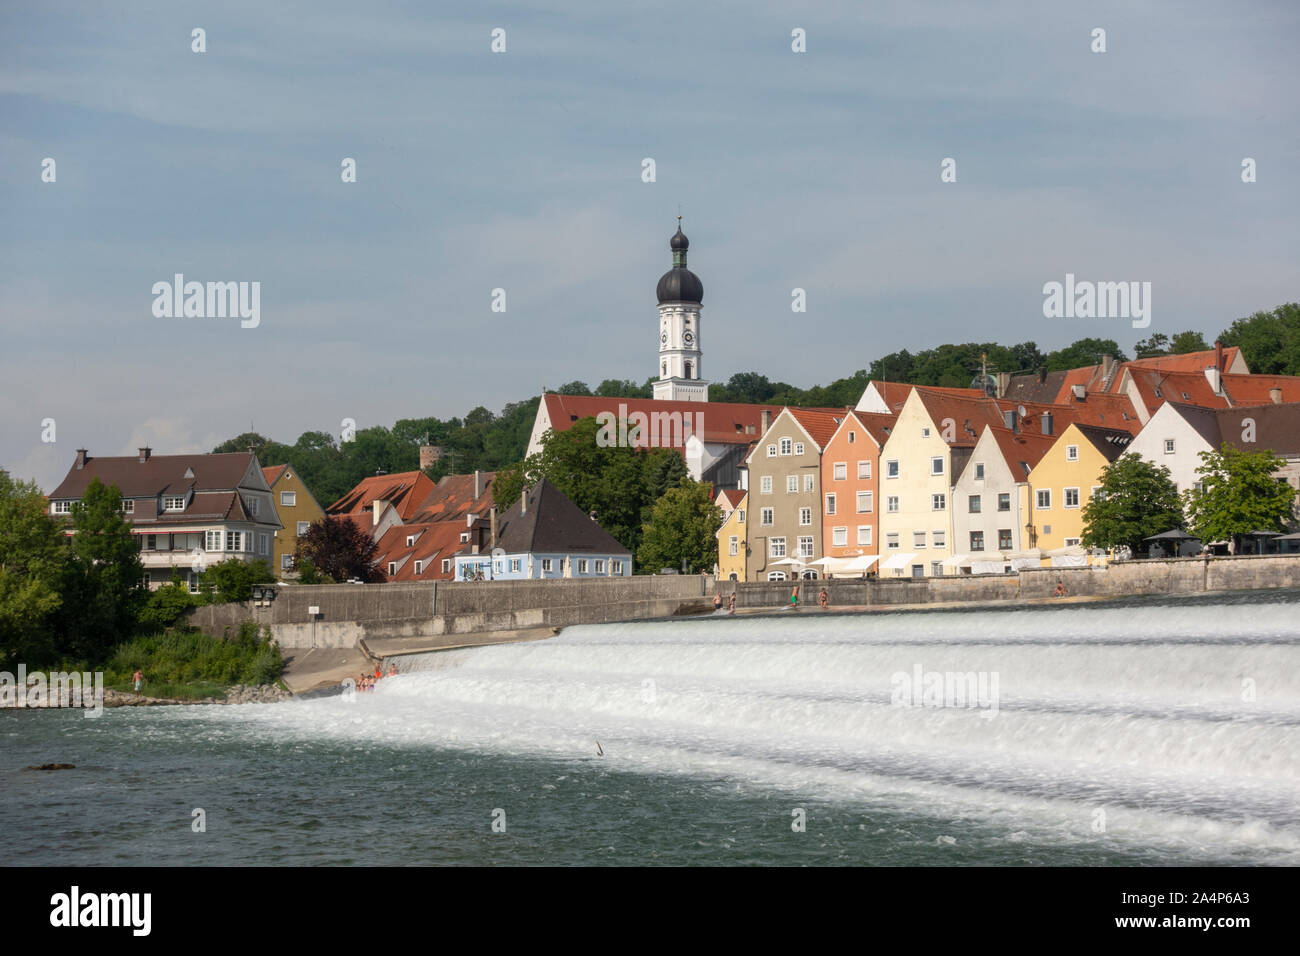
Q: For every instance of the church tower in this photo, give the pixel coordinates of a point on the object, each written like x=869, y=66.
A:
x=681, y=295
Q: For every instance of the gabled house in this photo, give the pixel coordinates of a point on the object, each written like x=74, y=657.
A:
x=296, y=508
x=850, y=480
x=1064, y=481
x=186, y=511
x=733, y=550
x=420, y=552
x=382, y=501
x=542, y=535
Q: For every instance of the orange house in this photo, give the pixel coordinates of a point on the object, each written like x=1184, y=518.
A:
x=850, y=481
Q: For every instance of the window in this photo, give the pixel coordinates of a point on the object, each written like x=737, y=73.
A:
x=286, y=562
x=303, y=527
x=891, y=540
x=776, y=547
x=786, y=446
x=234, y=541
x=741, y=516
x=263, y=544
x=807, y=482
x=940, y=538
x=1072, y=542
x=1169, y=446
x=864, y=469
x=891, y=504
x=213, y=542
x=288, y=499
x=891, y=468
x=464, y=537
x=1004, y=501
x=866, y=502
x=853, y=436
x=805, y=517
x=1004, y=539
x=936, y=568
x=616, y=566
x=840, y=471
x=733, y=545
x=446, y=565
x=864, y=534
x=546, y=565
x=974, y=504
x=938, y=502
x=1071, y=497
x=979, y=471
x=1071, y=452
x=918, y=540
x=194, y=579
x=767, y=517
x=765, y=485
x=918, y=570
x=63, y=507
x=776, y=575
x=251, y=505
x=798, y=448
x=839, y=537
x=171, y=503
x=925, y=432
x=771, y=451
x=582, y=565
x=791, y=484
x=977, y=540
x=830, y=504
x=128, y=506
x=419, y=567
x=392, y=568
x=1044, y=499
x=410, y=540
x=1096, y=491
x=600, y=565
x=936, y=466
x=805, y=546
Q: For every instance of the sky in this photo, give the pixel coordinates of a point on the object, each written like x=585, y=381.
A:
x=522, y=170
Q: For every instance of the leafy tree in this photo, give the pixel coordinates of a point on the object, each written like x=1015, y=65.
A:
x=32, y=554
x=1238, y=492
x=683, y=526
x=623, y=388
x=1082, y=353
x=308, y=574
x=102, y=579
x=1185, y=342
x=1136, y=500
x=167, y=605
x=1158, y=344
x=573, y=388
x=340, y=549
x=1269, y=341
x=233, y=579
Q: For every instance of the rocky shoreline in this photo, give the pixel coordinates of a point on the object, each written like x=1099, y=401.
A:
x=237, y=694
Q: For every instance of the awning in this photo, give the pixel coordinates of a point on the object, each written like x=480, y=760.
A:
x=957, y=561
x=897, y=561
x=862, y=562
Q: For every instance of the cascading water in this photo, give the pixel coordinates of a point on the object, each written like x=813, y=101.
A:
x=1170, y=727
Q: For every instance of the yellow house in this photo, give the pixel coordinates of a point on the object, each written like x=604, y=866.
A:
x=733, y=552
x=296, y=508
x=1064, y=481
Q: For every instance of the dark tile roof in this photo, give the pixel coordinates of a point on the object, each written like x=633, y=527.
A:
x=552, y=524
x=159, y=475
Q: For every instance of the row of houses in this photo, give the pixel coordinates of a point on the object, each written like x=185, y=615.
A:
x=918, y=481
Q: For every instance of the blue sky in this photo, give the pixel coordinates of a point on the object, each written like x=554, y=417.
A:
x=522, y=171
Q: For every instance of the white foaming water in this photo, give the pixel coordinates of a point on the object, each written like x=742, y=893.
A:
x=1140, y=713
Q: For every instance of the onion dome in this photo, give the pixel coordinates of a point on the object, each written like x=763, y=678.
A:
x=680, y=284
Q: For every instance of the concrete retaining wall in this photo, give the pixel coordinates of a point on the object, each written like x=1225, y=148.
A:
x=351, y=612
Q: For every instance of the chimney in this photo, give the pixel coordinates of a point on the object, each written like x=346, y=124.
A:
x=523, y=501
x=767, y=420
x=145, y=453
x=1042, y=374
x=1218, y=355
x=1275, y=396
x=1047, y=423
x=492, y=519
x=1009, y=418
x=478, y=484
x=81, y=459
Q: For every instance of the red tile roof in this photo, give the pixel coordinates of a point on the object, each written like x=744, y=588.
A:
x=1187, y=362
x=723, y=422
x=453, y=497
x=820, y=425
x=894, y=394
x=272, y=473
x=729, y=498
x=405, y=491
x=1022, y=450
x=433, y=542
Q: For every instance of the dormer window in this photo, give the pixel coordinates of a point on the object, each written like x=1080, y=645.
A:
x=128, y=506
x=63, y=507
x=464, y=537
x=174, y=503
x=410, y=540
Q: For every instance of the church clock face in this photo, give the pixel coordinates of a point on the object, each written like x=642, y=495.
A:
x=663, y=338
x=689, y=338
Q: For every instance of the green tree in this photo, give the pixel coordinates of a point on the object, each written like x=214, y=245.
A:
x=233, y=579
x=32, y=556
x=1189, y=341
x=1136, y=500
x=1082, y=353
x=1269, y=341
x=683, y=526
x=1158, y=344
x=167, y=606
x=102, y=579
x=340, y=549
x=1238, y=492
x=573, y=388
